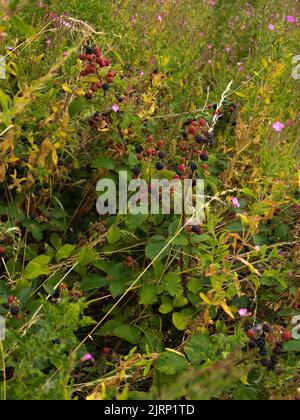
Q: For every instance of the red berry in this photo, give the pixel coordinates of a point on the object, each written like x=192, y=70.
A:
x=181, y=168
x=139, y=157
x=150, y=139
x=83, y=73
x=89, y=95
x=251, y=334
x=287, y=336
x=149, y=152
x=10, y=299
x=88, y=69
x=111, y=74
x=192, y=130
x=99, y=84
x=82, y=57
x=205, y=167
x=2, y=251
x=194, y=123
x=202, y=122
x=160, y=143
x=94, y=87
x=93, y=69
x=97, y=51
x=110, y=80
x=107, y=62
x=106, y=350
x=90, y=57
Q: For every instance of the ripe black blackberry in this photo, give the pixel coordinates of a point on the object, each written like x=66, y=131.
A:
x=252, y=344
x=197, y=230
x=160, y=166
x=199, y=139
x=139, y=149
x=90, y=50
x=137, y=170
x=204, y=156
x=105, y=87
x=14, y=310
x=266, y=363
x=161, y=155
x=267, y=328
x=194, y=166
x=263, y=352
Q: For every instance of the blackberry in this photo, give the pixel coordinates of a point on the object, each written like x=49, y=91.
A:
x=90, y=50
x=277, y=350
x=179, y=173
x=199, y=139
x=263, y=352
x=5, y=306
x=267, y=328
x=45, y=185
x=139, y=148
x=105, y=87
x=2, y=252
x=209, y=141
x=266, y=363
x=184, y=135
x=56, y=341
x=197, y=230
x=160, y=166
x=204, y=157
x=89, y=95
x=252, y=344
x=161, y=155
x=194, y=166
x=274, y=360
x=137, y=170
x=261, y=342
x=14, y=310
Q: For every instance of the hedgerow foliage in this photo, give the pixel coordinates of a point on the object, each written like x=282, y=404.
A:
x=139, y=306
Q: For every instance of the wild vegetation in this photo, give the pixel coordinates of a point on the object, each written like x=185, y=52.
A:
x=144, y=306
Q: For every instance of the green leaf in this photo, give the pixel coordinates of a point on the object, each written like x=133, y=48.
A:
x=180, y=320
x=93, y=281
x=199, y=348
x=155, y=246
x=103, y=162
x=76, y=106
x=86, y=256
x=55, y=240
x=128, y=332
x=171, y=363
x=148, y=294
x=23, y=27
x=37, y=267
x=172, y=284
x=180, y=301
x=292, y=346
x=64, y=252
x=194, y=286
x=114, y=235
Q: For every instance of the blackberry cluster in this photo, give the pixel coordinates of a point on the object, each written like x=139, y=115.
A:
x=94, y=62
x=263, y=340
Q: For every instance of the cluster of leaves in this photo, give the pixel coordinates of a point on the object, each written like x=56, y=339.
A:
x=157, y=307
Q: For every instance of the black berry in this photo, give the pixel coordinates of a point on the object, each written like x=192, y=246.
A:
x=137, y=171
x=105, y=87
x=139, y=148
x=160, y=166
x=199, y=139
x=161, y=155
x=204, y=157
x=194, y=166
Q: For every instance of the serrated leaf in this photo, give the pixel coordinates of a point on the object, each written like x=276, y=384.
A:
x=64, y=252
x=171, y=363
x=148, y=295
x=172, y=284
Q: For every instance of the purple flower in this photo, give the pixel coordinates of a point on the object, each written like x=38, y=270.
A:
x=159, y=18
x=291, y=19
x=115, y=108
x=235, y=202
x=87, y=358
x=271, y=27
x=243, y=312
x=278, y=126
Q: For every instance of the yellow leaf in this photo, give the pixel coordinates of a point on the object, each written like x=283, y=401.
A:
x=2, y=172
x=227, y=309
x=67, y=89
x=205, y=299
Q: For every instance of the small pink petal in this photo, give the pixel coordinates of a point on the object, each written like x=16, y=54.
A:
x=278, y=126
x=115, y=108
x=87, y=358
x=291, y=19
x=271, y=27
x=243, y=312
